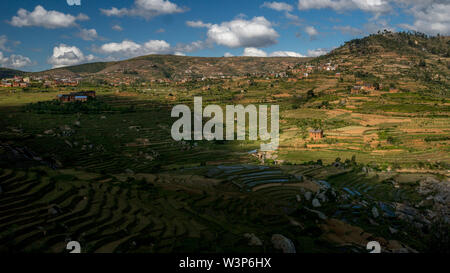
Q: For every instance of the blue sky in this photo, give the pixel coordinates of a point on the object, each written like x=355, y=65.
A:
x=37, y=35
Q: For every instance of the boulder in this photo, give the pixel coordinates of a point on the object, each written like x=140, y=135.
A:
x=322, y=197
x=393, y=230
x=308, y=195
x=253, y=240
x=375, y=213
x=316, y=203
x=282, y=243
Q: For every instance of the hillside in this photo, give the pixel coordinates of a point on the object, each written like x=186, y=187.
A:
x=409, y=61
x=154, y=67
x=8, y=73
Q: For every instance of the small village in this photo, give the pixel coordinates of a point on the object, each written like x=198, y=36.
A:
x=38, y=81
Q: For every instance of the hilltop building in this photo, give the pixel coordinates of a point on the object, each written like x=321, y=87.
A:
x=316, y=134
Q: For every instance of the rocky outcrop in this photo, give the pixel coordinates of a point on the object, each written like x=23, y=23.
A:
x=282, y=243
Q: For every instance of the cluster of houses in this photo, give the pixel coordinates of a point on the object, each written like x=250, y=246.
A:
x=64, y=82
x=76, y=96
x=16, y=82
x=360, y=87
x=305, y=70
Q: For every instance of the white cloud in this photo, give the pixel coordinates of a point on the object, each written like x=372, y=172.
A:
x=431, y=19
x=14, y=61
x=129, y=48
x=3, y=43
x=157, y=46
x=373, y=26
x=254, y=52
x=317, y=52
x=257, y=32
x=286, y=54
x=74, y=2
x=292, y=17
x=194, y=46
x=278, y=6
x=146, y=9
x=117, y=28
x=88, y=34
x=197, y=24
x=349, y=30
x=228, y=54
x=311, y=31
x=374, y=6
x=65, y=55
x=42, y=18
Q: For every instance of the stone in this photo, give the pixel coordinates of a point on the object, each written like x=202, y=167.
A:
x=322, y=197
x=316, y=203
x=393, y=230
x=375, y=213
x=282, y=243
x=308, y=195
x=253, y=240
x=320, y=214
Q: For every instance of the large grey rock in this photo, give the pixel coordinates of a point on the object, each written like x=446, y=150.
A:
x=253, y=240
x=393, y=230
x=282, y=243
x=322, y=197
x=375, y=213
x=316, y=203
x=308, y=195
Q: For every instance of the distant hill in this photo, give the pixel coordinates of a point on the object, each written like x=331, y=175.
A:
x=413, y=61
x=9, y=73
x=178, y=67
x=401, y=42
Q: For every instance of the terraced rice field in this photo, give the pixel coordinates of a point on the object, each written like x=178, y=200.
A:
x=41, y=210
x=357, y=184
x=248, y=176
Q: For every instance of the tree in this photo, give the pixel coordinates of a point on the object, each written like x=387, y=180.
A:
x=310, y=94
x=422, y=63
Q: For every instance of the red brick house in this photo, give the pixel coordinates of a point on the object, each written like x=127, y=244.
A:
x=316, y=134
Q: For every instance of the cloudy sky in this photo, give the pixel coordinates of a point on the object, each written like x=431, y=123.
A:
x=37, y=34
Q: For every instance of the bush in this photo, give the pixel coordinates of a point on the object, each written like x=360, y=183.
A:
x=92, y=106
